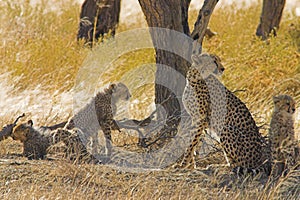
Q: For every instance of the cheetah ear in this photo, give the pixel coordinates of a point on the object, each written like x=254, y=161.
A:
x=215, y=57
x=112, y=87
x=30, y=123
x=119, y=84
x=276, y=99
x=196, y=59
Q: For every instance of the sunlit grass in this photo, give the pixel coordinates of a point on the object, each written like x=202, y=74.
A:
x=41, y=47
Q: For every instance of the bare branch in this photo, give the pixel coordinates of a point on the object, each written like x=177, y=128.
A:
x=15, y=122
x=201, y=24
x=7, y=130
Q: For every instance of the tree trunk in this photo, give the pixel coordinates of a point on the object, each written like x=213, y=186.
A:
x=173, y=62
x=98, y=17
x=168, y=83
x=270, y=18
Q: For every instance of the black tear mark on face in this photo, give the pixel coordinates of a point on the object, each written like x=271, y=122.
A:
x=216, y=71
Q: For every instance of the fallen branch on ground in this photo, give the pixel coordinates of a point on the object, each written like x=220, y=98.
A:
x=7, y=130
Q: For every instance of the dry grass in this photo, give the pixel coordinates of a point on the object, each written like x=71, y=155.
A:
x=40, y=54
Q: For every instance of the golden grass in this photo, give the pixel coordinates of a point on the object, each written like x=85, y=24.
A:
x=40, y=48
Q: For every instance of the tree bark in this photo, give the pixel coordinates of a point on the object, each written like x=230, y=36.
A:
x=98, y=17
x=200, y=26
x=270, y=18
x=173, y=15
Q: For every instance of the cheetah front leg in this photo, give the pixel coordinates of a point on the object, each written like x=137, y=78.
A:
x=189, y=157
x=289, y=150
x=106, y=128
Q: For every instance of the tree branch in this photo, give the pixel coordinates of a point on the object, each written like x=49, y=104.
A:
x=201, y=24
x=7, y=130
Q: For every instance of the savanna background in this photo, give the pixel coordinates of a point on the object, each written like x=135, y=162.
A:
x=40, y=61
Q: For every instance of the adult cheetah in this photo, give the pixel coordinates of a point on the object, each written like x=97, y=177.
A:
x=284, y=146
x=99, y=113
x=211, y=105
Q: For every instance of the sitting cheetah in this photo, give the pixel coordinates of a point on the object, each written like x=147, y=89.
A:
x=35, y=143
x=211, y=105
x=284, y=146
x=99, y=113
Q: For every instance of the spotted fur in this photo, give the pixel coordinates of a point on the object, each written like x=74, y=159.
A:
x=284, y=146
x=35, y=143
x=98, y=114
x=212, y=106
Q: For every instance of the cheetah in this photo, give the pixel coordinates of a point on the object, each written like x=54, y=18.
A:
x=283, y=143
x=75, y=149
x=212, y=106
x=99, y=112
x=35, y=143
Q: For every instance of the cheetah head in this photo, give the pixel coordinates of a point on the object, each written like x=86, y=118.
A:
x=120, y=92
x=284, y=103
x=22, y=131
x=207, y=64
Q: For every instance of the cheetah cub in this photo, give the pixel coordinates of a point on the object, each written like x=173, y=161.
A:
x=75, y=149
x=284, y=146
x=99, y=114
x=35, y=143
